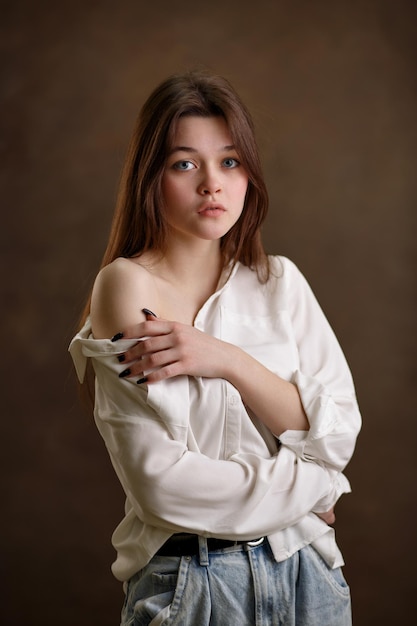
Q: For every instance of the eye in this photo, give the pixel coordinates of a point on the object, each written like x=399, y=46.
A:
x=230, y=163
x=183, y=165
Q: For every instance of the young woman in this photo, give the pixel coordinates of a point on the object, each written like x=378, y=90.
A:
x=221, y=392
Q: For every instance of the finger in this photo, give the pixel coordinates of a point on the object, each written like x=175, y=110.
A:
x=147, y=346
x=149, y=314
x=158, y=360
x=153, y=327
x=134, y=356
x=168, y=371
x=126, y=333
x=144, y=329
x=151, y=362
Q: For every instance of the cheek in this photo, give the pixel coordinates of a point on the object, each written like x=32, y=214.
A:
x=172, y=188
x=169, y=195
x=165, y=188
x=242, y=189
x=242, y=181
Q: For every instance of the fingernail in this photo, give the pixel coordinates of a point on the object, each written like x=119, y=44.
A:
x=142, y=380
x=117, y=336
x=121, y=358
x=124, y=373
x=149, y=312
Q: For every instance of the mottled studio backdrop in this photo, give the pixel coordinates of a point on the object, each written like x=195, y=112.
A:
x=333, y=90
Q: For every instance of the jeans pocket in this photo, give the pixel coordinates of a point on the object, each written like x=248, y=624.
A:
x=334, y=577
x=150, y=593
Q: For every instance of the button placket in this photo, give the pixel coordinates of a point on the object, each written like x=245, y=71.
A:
x=232, y=422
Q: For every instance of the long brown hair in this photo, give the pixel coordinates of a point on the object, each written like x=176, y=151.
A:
x=138, y=224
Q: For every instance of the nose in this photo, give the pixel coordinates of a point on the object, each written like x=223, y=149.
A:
x=210, y=182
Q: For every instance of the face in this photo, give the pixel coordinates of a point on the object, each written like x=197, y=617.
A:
x=203, y=184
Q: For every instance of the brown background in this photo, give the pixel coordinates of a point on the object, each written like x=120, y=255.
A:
x=332, y=87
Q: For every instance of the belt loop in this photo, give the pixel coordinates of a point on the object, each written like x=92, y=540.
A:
x=203, y=550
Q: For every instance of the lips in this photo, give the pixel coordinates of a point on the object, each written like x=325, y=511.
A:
x=211, y=210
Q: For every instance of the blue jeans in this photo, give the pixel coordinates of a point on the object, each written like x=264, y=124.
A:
x=238, y=586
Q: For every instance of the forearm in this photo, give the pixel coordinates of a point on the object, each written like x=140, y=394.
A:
x=275, y=401
x=245, y=496
x=174, y=488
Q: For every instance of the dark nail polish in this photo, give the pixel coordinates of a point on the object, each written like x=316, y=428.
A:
x=142, y=380
x=117, y=336
x=149, y=312
x=124, y=373
x=121, y=358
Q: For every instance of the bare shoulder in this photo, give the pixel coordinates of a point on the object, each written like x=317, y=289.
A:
x=121, y=290
x=121, y=269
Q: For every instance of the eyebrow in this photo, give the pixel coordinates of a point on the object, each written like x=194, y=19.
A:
x=194, y=150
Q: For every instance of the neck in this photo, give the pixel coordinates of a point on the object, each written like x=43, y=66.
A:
x=188, y=265
x=187, y=276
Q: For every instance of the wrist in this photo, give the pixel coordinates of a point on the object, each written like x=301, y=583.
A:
x=231, y=365
x=235, y=365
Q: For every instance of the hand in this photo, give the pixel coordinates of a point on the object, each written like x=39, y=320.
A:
x=169, y=349
x=329, y=517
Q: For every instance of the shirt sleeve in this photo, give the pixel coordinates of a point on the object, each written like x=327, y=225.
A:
x=177, y=489
x=323, y=379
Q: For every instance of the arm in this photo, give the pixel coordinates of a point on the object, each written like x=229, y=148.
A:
x=173, y=349
x=323, y=379
x=315, y=413
x=179, y=490
x=172, y=487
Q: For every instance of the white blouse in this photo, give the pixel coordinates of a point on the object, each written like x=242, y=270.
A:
x=192, y=458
